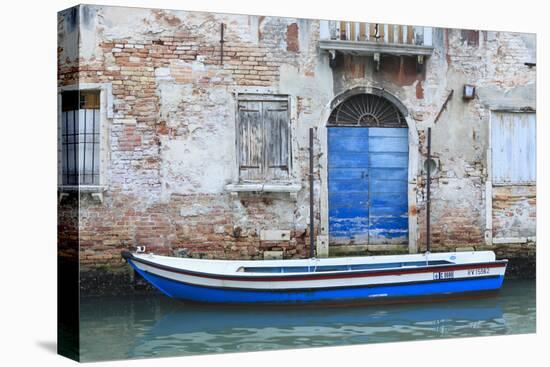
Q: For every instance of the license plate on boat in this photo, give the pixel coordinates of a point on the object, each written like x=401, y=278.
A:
x=444, y=275
x=479, y=271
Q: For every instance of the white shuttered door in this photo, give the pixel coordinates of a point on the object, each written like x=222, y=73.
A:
x=513, y=139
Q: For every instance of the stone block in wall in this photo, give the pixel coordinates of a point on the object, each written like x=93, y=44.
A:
x=465, y=249
x=274, y=235
x=193, y=210
x=273, y=255
x=322, y=246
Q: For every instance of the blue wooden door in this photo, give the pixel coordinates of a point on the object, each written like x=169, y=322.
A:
x=367, y=185
x=348, y=185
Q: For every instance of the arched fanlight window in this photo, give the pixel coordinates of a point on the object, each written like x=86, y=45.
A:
x=367, y=110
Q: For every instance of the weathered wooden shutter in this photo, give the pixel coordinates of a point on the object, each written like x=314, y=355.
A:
x=263, y=141
x=513, y=140
x=250, y=140
x=277, y=142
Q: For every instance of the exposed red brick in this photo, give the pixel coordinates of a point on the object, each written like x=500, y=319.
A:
x=132, y=213
x=419, y=90
x=292, y=43
x=469, y=36
x=401, y=70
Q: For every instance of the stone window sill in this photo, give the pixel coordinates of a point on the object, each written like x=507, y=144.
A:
x=95, y=191
x=527, y=183
x=282, y=187
x=82, y=188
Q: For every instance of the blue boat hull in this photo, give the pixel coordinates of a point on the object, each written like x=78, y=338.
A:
x=378, y=293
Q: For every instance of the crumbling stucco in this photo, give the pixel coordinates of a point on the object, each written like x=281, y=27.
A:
x=172, y=135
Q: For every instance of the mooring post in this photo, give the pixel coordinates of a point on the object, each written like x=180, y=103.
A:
x=428, y=182
x=311, y=219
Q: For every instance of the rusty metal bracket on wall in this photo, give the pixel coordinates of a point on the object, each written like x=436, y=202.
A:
x=332, y=58
x=376, y=58
x=376, y=34
x=444, y=106
x=419, y=63
x=222, y=41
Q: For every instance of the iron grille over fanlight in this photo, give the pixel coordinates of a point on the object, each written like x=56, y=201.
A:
x=367, y=110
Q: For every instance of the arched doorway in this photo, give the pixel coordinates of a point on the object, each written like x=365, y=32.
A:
x=367, y=171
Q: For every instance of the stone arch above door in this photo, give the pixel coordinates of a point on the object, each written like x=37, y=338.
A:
x=404, y=120
x=380, y=92
x=366, y=110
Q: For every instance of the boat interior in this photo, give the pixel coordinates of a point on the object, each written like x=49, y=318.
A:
x=344, y=267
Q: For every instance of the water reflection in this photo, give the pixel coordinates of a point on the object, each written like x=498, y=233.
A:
x=157, y=326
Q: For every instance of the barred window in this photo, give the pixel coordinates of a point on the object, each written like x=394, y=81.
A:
x=80, y=126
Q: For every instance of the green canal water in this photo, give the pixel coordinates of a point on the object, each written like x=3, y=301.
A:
x=155, y=326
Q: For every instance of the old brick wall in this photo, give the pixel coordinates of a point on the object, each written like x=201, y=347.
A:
x=492, y=61
x=514, y=212
x=495, y=63
x=171, y=139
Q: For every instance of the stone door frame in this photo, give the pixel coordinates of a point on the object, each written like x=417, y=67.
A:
x=413, y=165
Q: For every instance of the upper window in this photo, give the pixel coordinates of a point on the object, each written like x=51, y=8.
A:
x=80, y=137
x=263, y=138
x=513, y=139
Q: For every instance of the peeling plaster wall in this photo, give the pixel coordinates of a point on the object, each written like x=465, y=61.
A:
x=514, y=212
x=172, y=135
x=461, y=137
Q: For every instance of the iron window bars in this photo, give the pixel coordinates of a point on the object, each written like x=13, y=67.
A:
x=80, y=126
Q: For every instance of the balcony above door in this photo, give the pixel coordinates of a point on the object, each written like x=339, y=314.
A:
x=375, y=39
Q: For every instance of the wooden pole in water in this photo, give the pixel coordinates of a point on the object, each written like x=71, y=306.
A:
x=428, y=181
x=311, y=225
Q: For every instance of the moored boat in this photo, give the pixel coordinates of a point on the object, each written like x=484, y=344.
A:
x=388, y=278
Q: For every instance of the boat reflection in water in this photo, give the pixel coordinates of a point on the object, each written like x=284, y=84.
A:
x=138, y=327
x=192, y=329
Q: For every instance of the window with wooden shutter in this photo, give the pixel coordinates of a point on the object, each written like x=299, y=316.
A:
x=263, y=140
x=250, y=140
x=513, y=140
